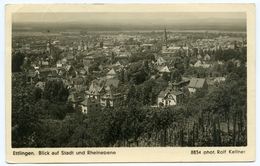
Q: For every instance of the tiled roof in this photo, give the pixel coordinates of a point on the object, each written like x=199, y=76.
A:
x=164, y=69
x=78, y=81
x=114, y=82
x=94, y=89
x=31, y=74
x=76, y=97
x=165, y=93
x=89, y=101
x=111, y=72
x=197, y=82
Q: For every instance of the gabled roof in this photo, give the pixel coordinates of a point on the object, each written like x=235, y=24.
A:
x=85, y=68
x=82, y=71
x=167, y=92
x=67, y=68
x=161, y=94
x=31, y=74
x=206, y=57
x=112, y=95
x=58, y=62
x=86, y=62
x=76, y=97
x=70, y=57
x=111, y=72
x=94, y=89
x=197, y=82
x=161, y=60
x=164, y=69
x=78, y=81
x=109, y=94
x=114, y=82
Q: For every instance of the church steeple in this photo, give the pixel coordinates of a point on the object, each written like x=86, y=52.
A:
x=48, y=46
x=164, y=43
x=164, y=36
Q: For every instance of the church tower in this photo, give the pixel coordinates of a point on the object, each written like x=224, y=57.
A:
x=164, y=44
x=80, y=46
x=48, y=49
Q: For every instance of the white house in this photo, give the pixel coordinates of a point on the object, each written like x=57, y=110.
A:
x=59, y=63
x=169, y=98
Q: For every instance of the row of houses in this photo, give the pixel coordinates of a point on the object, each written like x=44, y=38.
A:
x=98, y=96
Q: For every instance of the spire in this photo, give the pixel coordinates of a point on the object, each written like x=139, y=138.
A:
x=164, y=36
x=48, y=45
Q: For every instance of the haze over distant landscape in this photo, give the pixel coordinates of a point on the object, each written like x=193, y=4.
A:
x=129, y=21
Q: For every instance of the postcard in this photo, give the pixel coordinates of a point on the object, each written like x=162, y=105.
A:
x=101, y=83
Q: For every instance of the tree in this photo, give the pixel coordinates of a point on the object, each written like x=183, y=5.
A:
x=55, y=91
x=17, y=62
x=37, y=94
x=25, y=115
x=229, y=66
x=101, y=44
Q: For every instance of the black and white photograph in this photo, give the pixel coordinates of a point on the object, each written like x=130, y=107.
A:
x=129, y=80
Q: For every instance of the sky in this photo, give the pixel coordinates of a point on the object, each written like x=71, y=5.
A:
x=126, y=16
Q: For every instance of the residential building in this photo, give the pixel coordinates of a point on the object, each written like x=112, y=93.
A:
x=112, y=74
x=163, y=69
x=95, y=91
x=90, y=105
x=197, y=83
x=76, y=98
x=78, y=83
x=169, y=97
x=110, y=98
x=113, y=82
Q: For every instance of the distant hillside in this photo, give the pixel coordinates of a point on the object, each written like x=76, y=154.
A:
x=131, y=24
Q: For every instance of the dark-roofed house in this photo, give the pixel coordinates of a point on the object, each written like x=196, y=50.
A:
x=30, y=77
x=76, y=98
x=95, y=91
x=197, y=83
x=70, y=58
x=109, y=99
x=87, y=62
x=78, y=83
x=90, y=105
x=169, y=97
